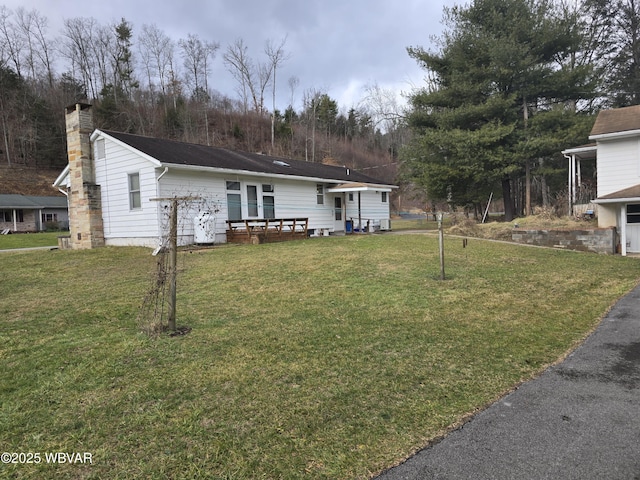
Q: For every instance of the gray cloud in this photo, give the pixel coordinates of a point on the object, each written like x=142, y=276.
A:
x=337, y=46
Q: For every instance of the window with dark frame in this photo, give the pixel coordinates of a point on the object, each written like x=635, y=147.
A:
x=384, y=197
x=633, y=213
x=7, y=216
x=268, y=201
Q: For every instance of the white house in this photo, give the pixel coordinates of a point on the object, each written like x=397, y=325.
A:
x=120, y=185
x=616, y=134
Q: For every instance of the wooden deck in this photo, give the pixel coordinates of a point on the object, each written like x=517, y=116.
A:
x=267, y=230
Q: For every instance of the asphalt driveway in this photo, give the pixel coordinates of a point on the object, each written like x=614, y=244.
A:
x=579, y=420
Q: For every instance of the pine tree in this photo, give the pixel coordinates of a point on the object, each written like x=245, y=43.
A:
x=500, y=66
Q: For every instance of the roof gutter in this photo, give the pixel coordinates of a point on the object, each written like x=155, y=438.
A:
x=198, y=168
x=600, y=201
x=612, y=135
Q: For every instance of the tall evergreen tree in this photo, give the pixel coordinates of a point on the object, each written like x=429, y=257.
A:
x=500, y=65
x=625, y=71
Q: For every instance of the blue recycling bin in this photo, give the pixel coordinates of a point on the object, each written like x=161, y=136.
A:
x=349, y=226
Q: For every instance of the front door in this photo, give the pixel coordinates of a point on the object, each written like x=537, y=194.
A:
x=338, y=214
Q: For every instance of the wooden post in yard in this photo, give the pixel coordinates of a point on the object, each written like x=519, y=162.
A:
x=173, y=262
x=441, y=244
x=173, y=255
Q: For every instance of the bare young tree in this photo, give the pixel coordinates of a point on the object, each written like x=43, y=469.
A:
x=78, y=48
x=294, y=83
x=276, y=55
x=156, y=52
x=12, y=42
x=252, y=79
x=196, y=54
x=44, y=50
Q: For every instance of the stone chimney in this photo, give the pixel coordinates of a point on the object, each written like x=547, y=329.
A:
x=85, y=203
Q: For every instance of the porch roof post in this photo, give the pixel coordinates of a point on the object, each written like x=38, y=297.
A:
x=623, y=229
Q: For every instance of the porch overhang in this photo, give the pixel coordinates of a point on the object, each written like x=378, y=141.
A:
x=626, y=195
x=585, y=152
x=359, y=187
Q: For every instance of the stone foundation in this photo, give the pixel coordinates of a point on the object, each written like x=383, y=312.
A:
x=598, y=240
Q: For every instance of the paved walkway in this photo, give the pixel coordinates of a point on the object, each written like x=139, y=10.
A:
x=579, y=420
x=27, y=249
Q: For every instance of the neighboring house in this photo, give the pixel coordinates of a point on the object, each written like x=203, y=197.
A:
x=27, y=213
x=616, y=134
x=120, y=186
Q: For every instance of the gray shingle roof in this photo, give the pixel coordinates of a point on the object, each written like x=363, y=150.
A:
x=31, y=202
x=179, y=153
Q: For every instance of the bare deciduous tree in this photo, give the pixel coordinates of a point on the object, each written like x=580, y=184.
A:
x=78, y=49
x=156, y=52
x=252, y=79
x=11, y=40
x=276, y=56
x=196, y=54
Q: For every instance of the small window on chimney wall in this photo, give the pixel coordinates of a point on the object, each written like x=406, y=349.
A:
x=100, y=148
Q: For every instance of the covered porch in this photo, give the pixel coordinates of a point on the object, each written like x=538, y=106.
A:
x=365, y=216
x=576, y=156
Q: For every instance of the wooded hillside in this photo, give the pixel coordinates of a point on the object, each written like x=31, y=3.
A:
x=149, y=84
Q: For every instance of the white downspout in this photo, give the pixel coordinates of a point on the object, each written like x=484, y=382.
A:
x=158, y=211
x=166, y=169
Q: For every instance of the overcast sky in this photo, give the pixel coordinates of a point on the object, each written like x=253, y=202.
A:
x=335, y=46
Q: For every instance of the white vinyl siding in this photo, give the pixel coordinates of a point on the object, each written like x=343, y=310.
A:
x=288, y=198
x=122, y=225
x=618, y=165
x=209, y=194
x=371, y=207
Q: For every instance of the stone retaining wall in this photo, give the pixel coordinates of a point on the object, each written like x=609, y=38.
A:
x=598, y=240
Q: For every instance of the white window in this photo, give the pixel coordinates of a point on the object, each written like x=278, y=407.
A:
x=100, y=152
x=320, y=194
x=252, y=201
x=234, y=201
x=134, y=191
x=384, y=197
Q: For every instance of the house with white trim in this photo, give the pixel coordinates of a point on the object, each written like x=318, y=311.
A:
x=616, y=134
x=120, y=186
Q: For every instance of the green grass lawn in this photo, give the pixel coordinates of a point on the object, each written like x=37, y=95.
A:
x=26, y=240
x=327, y=358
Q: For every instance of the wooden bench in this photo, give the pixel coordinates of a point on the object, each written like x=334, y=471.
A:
x=267, y=230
